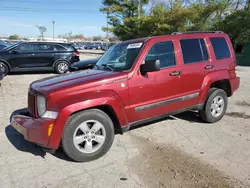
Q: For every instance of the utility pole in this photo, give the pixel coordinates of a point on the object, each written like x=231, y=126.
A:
x=53, y=30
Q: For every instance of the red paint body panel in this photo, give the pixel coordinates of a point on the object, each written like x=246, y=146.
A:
x=126, y=92
x=33, y=129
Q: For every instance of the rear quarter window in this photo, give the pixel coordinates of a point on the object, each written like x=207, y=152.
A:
x=220, y=47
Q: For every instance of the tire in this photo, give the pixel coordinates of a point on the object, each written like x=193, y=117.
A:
x=4, y=68
x=81, y=151
x=62, y=67
x=213, y=111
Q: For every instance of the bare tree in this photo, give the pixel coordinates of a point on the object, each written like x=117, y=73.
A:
x=42, y=30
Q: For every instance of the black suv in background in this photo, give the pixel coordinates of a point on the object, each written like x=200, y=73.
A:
x=38, y=56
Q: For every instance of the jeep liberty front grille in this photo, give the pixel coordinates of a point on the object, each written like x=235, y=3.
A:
x=32, y=104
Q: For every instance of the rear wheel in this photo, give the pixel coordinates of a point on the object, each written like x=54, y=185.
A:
x=62, y=67
x=4, y=69
x=88, y=135
x=215, y=106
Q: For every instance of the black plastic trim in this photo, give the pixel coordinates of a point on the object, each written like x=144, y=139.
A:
x=148, y=120
x=162, y=103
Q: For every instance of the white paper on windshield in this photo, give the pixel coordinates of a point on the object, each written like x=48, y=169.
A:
x=135, y=45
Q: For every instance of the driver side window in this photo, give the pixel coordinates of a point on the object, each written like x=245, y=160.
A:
x=25, y=48
x=163, y=51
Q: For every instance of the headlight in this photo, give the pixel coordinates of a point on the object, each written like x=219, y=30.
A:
x=41, y=105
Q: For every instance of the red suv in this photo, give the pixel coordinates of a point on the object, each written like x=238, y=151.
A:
x=156, y=77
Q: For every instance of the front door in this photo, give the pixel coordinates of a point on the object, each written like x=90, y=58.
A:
x=23, y=56
x=153, y=94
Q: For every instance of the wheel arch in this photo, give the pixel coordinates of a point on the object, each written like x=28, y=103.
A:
x=111, y=107
x=218, y=80
x=3, y=61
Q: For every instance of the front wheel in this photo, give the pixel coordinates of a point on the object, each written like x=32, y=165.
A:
x=4, y=69
x=62, y=67
x=88, y=135
x=215, y=106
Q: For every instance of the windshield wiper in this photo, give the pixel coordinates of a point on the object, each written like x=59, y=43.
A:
x=108, y=66
x=97, y=66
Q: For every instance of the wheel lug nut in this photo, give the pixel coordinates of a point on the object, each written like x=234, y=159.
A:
x=85, y=137
x=89, y=140
x=93, y=136
x=92, y=132
x=87, y=132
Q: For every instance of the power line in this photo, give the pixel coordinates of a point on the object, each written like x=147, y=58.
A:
x=54, y=1
x=47, y=10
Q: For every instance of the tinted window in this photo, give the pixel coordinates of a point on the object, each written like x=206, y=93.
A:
x=45, y=47
x=60, y=48
x=220, y=47
x=25, y=47
x=164, y=52
x=193, y=50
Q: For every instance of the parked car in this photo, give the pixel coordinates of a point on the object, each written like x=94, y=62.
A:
x=37, y=56
x=159, y=76
x=81, y=65
x=2, y=46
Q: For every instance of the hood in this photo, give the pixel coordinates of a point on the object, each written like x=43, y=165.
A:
x=77, y=80
x=92, y=60
x=86, y=62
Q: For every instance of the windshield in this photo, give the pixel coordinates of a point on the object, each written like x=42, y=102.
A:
x=11, y=46
x=119, y=57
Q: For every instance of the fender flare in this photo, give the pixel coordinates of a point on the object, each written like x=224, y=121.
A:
x=208, y=80
x=65, y=113
x=1, y=60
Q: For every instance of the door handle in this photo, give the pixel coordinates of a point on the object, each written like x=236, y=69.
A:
x=31, y=54
x=209, y=67
x=175, y=73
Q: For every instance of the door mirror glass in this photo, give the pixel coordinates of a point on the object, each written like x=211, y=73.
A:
x=150, y=66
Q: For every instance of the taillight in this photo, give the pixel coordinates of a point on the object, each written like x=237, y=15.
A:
x=76, y=53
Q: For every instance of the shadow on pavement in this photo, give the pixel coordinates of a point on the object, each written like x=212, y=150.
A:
x=191, y=116
x=18, y=141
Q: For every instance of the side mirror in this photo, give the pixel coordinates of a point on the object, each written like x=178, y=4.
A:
x=150, y=66
x=14, y=51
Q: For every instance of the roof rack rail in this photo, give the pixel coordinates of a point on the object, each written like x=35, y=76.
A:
x=191, y=32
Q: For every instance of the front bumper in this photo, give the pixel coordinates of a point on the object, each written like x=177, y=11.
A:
x=35, y=130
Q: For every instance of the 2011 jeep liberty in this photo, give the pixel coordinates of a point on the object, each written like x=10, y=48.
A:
x=134, y=82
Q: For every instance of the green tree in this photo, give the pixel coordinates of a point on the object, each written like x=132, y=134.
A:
x=123, y=16
x=127, y=19
x=42, y=30
x=13, y=37
x=236, y=25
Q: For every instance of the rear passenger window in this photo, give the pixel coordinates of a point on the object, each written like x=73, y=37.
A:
x=220, y=47
x=163, y=51
x=45, y=47
x=193, y=50
x=60, y=48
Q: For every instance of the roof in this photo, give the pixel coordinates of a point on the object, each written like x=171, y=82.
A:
x=173, y=34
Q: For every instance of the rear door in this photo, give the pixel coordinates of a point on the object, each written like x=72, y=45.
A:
x=44, y=55
x=196, y=64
